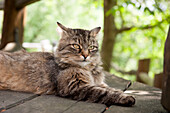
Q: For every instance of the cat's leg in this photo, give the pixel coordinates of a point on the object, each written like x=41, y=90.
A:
x=80, y=90
x=104, y=85
x=102, y=95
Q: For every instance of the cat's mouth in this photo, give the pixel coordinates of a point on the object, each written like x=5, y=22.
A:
x=82, y=61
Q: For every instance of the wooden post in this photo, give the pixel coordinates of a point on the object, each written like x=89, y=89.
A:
x=158, y=80
x=165, y=101
x=1, y=4
x=13, y=19
x=19, y=24
x=10, y=14
x=143, y=67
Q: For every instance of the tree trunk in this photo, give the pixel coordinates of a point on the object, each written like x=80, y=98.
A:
x=166, y=83
x=109, y=35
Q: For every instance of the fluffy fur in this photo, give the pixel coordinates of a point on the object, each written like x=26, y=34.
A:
x=73, y=72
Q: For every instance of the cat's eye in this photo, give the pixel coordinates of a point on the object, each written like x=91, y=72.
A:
x=76, y=46
x=92, y=47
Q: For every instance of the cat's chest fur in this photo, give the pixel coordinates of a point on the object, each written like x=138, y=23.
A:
x=92, y=71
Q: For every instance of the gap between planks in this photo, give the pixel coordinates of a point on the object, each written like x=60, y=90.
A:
x=3, y=109
x=106, y=108
x=17, y=103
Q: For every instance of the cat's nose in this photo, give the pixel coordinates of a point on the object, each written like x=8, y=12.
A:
x=85, y=56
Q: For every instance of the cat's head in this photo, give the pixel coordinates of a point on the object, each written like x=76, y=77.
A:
x=78, y=46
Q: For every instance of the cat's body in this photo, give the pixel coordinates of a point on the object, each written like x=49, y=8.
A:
x=29, y=72
x=74, y=71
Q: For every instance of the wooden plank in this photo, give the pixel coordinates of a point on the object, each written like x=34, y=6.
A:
x=54, y=104
x=144, y=104
x=84, y=107
x=43, y=104
x=147, y=101
x=147, y=98
x=22, y=3
x=10, y=97
x=166, y=71
x=111, y=80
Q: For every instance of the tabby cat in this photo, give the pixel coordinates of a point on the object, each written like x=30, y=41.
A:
x=73, y=72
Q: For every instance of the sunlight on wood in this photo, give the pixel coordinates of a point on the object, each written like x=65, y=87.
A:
x=141, y=92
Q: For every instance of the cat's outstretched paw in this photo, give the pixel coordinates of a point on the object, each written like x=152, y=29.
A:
x=127, y=101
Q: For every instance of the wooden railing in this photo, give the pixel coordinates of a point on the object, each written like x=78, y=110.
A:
x=14, y=15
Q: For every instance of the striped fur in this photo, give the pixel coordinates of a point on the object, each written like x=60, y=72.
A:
x=73, y=72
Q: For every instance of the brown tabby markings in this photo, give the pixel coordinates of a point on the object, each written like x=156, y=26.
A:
x=74, y=72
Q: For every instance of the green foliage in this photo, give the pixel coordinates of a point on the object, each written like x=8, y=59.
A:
x=43, y=15
x=1, y=19
x=132, y=45
x=142, y=41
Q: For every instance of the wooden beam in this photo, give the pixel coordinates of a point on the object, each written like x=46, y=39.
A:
x=22, y=3
x=18, y=3
x=2, y=5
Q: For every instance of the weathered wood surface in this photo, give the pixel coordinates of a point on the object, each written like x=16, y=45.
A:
x=147, y=101
x=8, y=97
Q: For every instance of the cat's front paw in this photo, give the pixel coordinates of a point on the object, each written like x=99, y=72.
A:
x=127, y=101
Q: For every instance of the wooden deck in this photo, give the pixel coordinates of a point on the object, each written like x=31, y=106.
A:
x=147, y=101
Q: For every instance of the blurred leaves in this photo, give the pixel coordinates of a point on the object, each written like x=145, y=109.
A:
x=146, y=24
x=43, y=15
x=138, y=42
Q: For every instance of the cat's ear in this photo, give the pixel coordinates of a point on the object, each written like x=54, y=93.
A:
x=95, y=31
x=61, y=28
